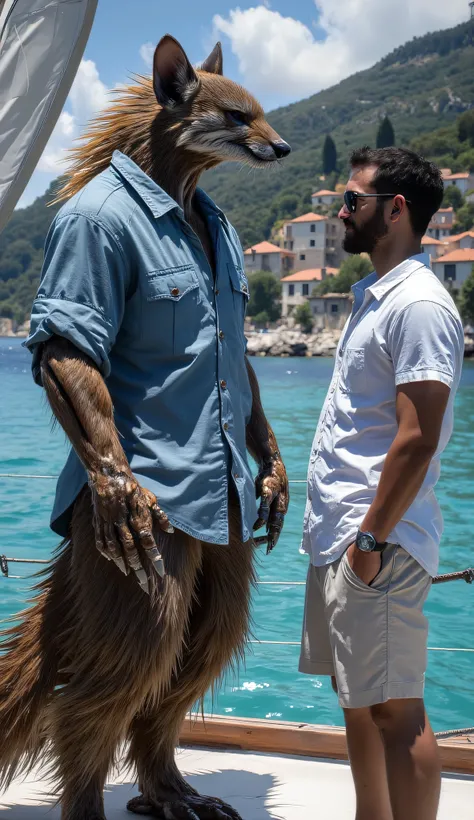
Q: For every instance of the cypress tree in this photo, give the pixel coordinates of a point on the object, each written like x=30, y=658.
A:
x=329, y=155
x=385, y=134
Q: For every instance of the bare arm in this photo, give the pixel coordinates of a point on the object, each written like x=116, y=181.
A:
x=420, y=407
x=123, y=511
x=272, y=481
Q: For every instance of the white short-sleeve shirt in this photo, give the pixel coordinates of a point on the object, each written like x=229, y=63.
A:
x=403, y=327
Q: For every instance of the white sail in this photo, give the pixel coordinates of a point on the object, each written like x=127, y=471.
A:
x=41, y=46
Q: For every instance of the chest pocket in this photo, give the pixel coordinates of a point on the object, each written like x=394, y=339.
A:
x=353, y=371
x=240, y=288
x=171, y=315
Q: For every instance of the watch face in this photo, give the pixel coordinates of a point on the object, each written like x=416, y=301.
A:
x=365, y=542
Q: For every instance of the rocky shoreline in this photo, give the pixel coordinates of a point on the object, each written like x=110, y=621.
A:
x=288, y=342
x=9, y=331
x=282, y=341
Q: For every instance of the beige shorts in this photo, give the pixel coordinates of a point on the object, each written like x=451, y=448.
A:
x=372, y=639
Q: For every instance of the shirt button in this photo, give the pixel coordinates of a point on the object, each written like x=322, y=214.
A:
x=221, y=334
x=216, y=291
x=174, y=291
x=226, y=426
x=236, y=475
x=223, y=384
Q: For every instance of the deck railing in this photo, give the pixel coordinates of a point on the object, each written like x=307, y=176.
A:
x=466, y=575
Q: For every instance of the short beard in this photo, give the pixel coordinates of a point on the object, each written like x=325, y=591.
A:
x=365, y=238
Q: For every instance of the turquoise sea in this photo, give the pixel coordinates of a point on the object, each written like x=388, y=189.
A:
x=270, y=685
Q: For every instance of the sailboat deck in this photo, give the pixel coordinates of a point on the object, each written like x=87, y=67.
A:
x=267, y=770
x=260, y=786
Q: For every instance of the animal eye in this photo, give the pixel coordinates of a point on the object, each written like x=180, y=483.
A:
x=237, y=117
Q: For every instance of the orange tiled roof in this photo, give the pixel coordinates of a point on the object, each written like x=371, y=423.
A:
x=464, y=175
x=326, y=193
x=309, y=275
x=457, y=237
x=430, y=240
x=462, y=255
x=309, y=217
x=267, y=247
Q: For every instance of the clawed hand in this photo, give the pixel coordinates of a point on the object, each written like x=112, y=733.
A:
x=271, y=486
x=124, y=515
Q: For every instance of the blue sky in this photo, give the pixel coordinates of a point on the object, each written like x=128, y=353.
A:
x=282, y=51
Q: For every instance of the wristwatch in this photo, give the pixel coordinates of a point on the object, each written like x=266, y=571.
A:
x=366, y=542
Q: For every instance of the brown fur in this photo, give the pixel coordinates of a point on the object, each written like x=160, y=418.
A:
x=95, y=662
x=133, y=676
x=137, y=125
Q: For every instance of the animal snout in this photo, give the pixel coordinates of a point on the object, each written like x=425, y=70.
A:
x=281, y=148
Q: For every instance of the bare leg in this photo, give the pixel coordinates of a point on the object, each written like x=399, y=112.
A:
x=217, y=631
x=412, y=758
x=123, y=649
x=367, y=758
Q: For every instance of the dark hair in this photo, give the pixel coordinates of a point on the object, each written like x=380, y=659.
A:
x=400, y=171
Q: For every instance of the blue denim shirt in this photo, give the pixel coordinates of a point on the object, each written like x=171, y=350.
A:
x=126, y=280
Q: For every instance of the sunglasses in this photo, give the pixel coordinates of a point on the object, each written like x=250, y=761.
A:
x=351, y=197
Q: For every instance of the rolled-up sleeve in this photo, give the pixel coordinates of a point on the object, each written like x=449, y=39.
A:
x=81, y=296
x=426, y=343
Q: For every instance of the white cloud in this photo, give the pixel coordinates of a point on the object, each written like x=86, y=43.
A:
x=87, y=97
x=280, y=55
x=88, y=93
x=61, y=138
x=147, y=51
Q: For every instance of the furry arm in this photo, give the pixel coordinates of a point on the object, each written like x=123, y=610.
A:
x=272, y=481
x=124, y=512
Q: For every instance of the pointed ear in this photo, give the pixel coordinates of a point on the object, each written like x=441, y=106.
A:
x=213, y=64
x=174, y=78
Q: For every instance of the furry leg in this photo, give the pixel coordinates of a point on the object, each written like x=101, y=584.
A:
x=124, y=647
x=218, y=629
x=30, y=666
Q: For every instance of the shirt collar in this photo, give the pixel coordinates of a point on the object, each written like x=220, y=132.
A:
x=158, y=201
x=379, y=287
x=208, y=206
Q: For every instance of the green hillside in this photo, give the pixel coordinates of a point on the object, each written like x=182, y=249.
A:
x=422, y=86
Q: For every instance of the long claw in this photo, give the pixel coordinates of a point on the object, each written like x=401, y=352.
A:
x=275, y=526
x=142, y=580
x=121, y=564
x=190, y=807
x=157, y=562
x=162, y=519
x=179, y=811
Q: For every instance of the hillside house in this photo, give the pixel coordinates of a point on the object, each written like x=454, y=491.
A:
x=464, y=181
x=433, y=247
x=460, y=241
x=441, y=224
x=268, y=257
x=325, y=198
x=297, y=287
x=453, y=268
x=315, y=240
x=331, y=310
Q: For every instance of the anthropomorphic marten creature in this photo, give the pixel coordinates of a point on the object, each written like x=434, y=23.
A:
x=137, y=338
